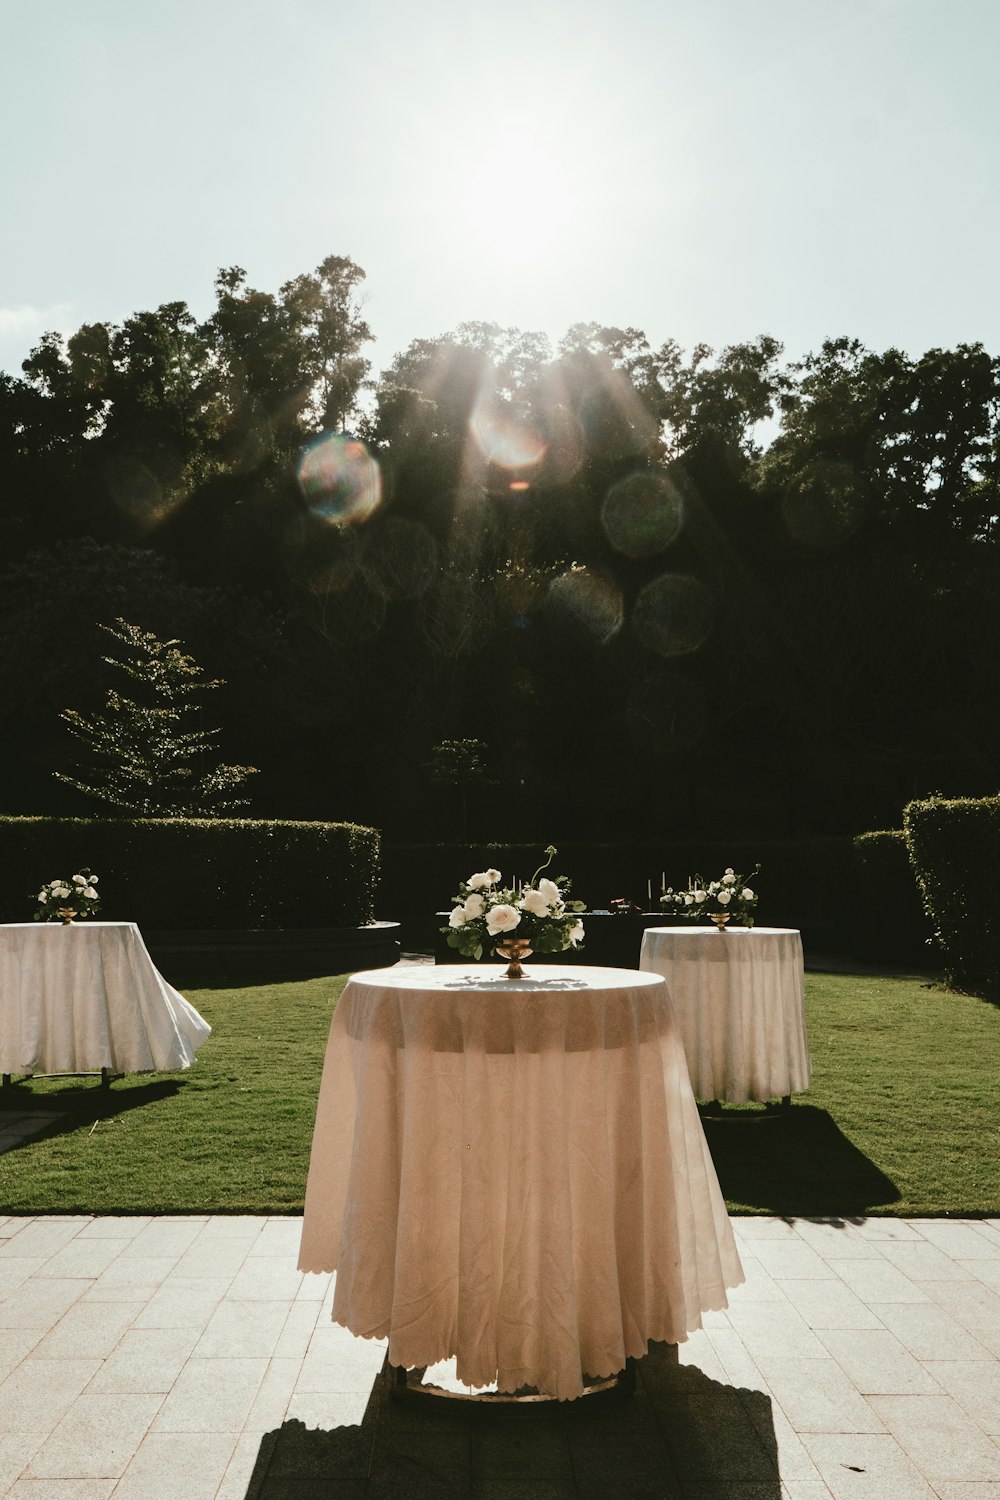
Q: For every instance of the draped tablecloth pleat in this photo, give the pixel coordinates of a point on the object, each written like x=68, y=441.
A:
x=77, y=998
x=739, y=996
x=513, y=1173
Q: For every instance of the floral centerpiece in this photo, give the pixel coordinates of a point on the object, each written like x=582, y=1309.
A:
x=62, y=900
x=516, y=919
x=731, y=898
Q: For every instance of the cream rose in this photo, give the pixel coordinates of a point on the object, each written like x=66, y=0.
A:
x=457, y=917
x=536, y=903
x=474, y=907
x=725, y=897
x=501, y=919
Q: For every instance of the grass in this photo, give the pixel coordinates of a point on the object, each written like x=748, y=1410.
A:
x=903, y=1116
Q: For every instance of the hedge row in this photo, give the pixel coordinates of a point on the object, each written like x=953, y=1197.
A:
x=804, y=883
x=954, y=846
x=197, y=873
x=890, y=924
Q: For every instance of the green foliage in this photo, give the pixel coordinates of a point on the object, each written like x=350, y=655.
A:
x=148, y=757
x=954, y=846
x=890, y=924
x=198, y=874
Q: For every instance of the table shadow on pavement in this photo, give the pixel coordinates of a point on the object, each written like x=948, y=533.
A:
x=681, y=1436
x=796, y=1164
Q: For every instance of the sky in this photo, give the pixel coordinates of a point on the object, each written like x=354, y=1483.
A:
x=703, y=170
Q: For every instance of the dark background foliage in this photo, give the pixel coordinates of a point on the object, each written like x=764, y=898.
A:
x=676, y=596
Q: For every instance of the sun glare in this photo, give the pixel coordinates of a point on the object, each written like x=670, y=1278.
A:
x=518, y=200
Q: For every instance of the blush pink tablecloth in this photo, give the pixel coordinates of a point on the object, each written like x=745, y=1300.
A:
x=740, y=1002
x=513, y=1173
x=87, y=996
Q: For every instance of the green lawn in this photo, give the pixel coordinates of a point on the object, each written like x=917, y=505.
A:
x=903, y=1116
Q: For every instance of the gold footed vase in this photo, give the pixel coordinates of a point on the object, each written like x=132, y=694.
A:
x=66, y=914
x=514, y=949
x=720, y=918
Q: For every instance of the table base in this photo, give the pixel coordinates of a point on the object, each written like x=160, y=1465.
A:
x=407, y=1385
x=106, y=1076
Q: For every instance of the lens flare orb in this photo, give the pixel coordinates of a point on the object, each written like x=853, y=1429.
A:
x=339, y=479
x=503, y=439
x=643, y=514
x=673, y=615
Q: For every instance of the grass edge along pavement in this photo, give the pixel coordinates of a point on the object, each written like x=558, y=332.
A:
x=902, y=1118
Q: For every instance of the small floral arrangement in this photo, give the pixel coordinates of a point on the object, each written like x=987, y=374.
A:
x=62, y=899
x=731, y=893
x=488, y=913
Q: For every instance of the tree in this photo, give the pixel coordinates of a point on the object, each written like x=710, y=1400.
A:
x=146, y=757
x=461, y=764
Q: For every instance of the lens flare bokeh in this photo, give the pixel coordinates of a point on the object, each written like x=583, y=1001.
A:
x=673, y=615
x=339, y=480
x=504, y=440
x=587, y=602
x=643, y=513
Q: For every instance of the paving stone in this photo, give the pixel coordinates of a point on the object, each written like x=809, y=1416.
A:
x=939, y=1437
x=759, y=1286
x=40, y=1237
x=232, y=1226
x=877, y=1281
x=273, y=1395
x=986, y=1271
x=164, y=1238
x=522, y=1451
x=189, y=1465
x=829, y=1304
x=314, y=1288
x=251, y=1327
x=236, y=1482
x=887, y=1229
x=146, y=1361
x=866, y=1466
x=975, y=1306
x=791, y=1260
x=327, y=1410
x=183, y=1303
x=62, y=1489
x=975, y=1386
x=816, y=1396
x=777, y=1329
x=337, y=1361
x=712, y=1437
x=114, y=1227
x=81, y=1258
x=960, y=1241
x=96, y=1438
x=876, y=1362
x=36, y=1395
x=16, y=1448
x=130, y=1279
x=40, y=1303
x=295, y=1336
x=265, y=1278
x=923, y=1261
x=928, y=1332
x=967, y=1489
x=88, y=1330
x=279, y=1237
x=211, y=1395
x=221, y=1257
x=15, y=1345
x=805, y=1489
x=15, y=1270
x=753, y=1227
x=842, y=1241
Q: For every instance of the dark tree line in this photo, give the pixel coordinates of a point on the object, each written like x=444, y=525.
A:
x=670, y=592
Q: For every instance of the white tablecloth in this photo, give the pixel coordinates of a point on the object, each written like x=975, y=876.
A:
x=740, y=999
x=513, y=1173
x=78, y=998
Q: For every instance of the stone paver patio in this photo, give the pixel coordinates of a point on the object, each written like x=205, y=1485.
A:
x=187, y=1359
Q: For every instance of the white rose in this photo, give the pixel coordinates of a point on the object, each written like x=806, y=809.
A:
x=725, y=897
x=79, y=880
x=493, y=876
x=61, y=891
x=457, y=917
x=729, y=878
x=729, y=869
x=536, y=903
x=550, y=891
x=700, y=896
x=88, y=890
x=484, y=878
x=688, y=899
x=474, y=907
x=43, y=895
x=501, y=919
x=747, y=893
x=94, y=879
x=713, y=887
x=576, y=932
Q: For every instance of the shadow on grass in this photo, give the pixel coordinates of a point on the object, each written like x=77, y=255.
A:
x=796, y=1164
x=61, y=1111
x=681, y=1433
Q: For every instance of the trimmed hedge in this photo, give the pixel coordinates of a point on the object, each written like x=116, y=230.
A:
x=198, y=873
x=954, y=844
x=890, y=922
x=804, y=883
